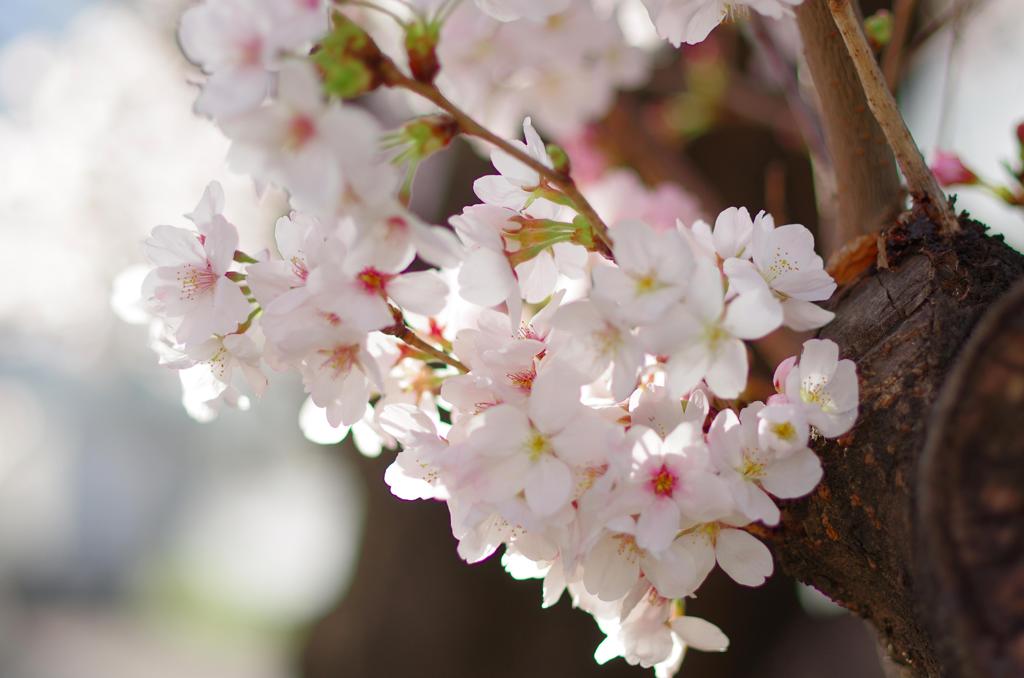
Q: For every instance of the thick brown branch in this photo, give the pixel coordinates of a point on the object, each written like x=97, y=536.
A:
x=854, y=538
x=869, y=192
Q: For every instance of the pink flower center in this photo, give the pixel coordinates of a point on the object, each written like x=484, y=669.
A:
x=195, y=281
x=301, y=129
x=374, y=281
x=663, y=481
x=333, y=319
x=299, y=269
x=523, y=379
x=251, y=51
x=340, y=359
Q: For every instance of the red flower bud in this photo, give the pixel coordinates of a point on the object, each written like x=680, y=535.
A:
x=951, y=171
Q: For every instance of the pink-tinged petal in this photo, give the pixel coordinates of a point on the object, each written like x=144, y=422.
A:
x=705, y=298
x=757, y=505
x=753, y=315
x=230, y=307
x=232, y=92
x=485, y=278
x=537, y=277
x=678, y=331
x=437, y=245
x=611, y=568
x=818, y=359
x=743, y=557
x=808, y=285
x=554, y=398
x=698, y=545
x=673, y=572
x=743, y=276
x=794, y=476
x=727, y=374
x=658, y=525
x=501, y=478
x=221, y=243
x=586, y=440
x=686, y=368
x=299, y=87
x=423, y=292
x=733, y=229
x=173, y=246
x=548, y=485
x=210, y=204
x=804, y=315
x=832, y=425
x=628, y=361
x=842, y=388
x=700, y=634
x=500, y=430
x=635, y=245
x=482, y=225
x=497, y=191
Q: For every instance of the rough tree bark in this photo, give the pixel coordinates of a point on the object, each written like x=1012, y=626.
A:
x=854, y=537
x=917, y=525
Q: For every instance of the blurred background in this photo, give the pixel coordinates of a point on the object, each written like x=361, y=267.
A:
x=138, y=543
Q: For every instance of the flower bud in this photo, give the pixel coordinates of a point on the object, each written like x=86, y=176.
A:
x=782, y=372
x=951, y=171
x=878, y=28
x=421, y=46
x=559, y=158
x=348, y=59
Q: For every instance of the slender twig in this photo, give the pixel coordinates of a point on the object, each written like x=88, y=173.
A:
x=394, y=77
x=892, y=60
x=920, y=181
x=400, y=330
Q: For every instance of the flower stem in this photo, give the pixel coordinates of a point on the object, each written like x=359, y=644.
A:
x=400, y=330
x=394, y=77
x=920, y=181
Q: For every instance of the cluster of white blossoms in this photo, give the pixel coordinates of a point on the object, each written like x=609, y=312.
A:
x=678, y=21
x=570, y=390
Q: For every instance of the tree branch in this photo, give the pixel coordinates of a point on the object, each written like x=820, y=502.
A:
x=863, y=164
x=394, y=77
x=920, y=180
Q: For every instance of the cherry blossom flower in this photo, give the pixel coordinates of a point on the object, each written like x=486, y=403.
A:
x=190, y=286
x=299, y=142
x=753, y=471
x=654, y=635
x=230, y=40
x=672, y=485
x=416, y=472
x=651, y=273
x=593, y=337
x=691, y=21
x=825, y=386
x=514, y=185
x=531, y=450
x=702, y=338
x=740, y=555
x=213, y=376
x=784, y=262
x=511, y=10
